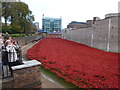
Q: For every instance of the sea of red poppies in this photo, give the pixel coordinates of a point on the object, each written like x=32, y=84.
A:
x=84, y=66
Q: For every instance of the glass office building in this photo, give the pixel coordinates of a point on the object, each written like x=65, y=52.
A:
x=51, y=25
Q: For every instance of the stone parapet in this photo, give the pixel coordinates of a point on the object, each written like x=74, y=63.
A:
x=26, y=75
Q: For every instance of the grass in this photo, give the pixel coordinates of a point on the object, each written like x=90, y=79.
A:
x=61, y=81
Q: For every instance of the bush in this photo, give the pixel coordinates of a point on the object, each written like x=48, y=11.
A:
x=22, y=35
x=6, y=36
x=15, y=35
x=18, y=35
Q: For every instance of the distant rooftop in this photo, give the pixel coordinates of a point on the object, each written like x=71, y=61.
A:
x=10, y=0
x=75, y=22
x=109, y=15
x=51, y=18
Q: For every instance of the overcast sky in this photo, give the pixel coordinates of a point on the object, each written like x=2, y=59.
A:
x=71, y=10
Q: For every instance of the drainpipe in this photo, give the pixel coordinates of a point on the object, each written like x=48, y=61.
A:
x=92, y=36
x=78, y=36
x=108, y=41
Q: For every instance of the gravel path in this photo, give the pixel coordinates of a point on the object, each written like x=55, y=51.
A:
x=46, y=81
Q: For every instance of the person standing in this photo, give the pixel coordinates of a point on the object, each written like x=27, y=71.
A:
x=12, y=53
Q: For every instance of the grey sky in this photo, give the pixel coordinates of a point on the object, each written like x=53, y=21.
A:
x=71, y=10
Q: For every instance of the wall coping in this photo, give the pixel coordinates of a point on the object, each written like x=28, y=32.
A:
x=26, y=64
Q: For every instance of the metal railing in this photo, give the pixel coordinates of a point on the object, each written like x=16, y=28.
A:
x=10, y=59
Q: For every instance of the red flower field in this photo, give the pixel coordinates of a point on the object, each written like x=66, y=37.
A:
x=84, y=66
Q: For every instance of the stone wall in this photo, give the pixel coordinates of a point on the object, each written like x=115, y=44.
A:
x=102, y=35
x=7, y=83
x=21, y=40
x=25, y=78
x=25, y=40
x=26, y=75
x=54, y=35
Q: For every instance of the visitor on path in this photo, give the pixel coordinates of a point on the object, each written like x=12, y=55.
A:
x=11, y=53
x=1, y=43
x=11, y=48
x=10, y=39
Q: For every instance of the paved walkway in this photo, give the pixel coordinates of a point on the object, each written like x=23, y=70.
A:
x=46, y=81
x=24, y=50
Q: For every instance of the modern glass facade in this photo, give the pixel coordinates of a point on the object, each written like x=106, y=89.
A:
x=51, y=25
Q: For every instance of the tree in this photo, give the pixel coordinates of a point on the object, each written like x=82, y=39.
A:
x=19, y=16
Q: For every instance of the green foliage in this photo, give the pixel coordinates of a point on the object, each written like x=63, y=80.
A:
x=19, y=15
x=15, y=35
x=6, y=29
x=18, y=35
x=23, y=35
x=6, y=36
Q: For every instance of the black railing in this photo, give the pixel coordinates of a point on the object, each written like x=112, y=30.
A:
x=10, y=59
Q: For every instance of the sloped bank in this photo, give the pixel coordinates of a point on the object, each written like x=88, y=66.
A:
x=82, y=65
